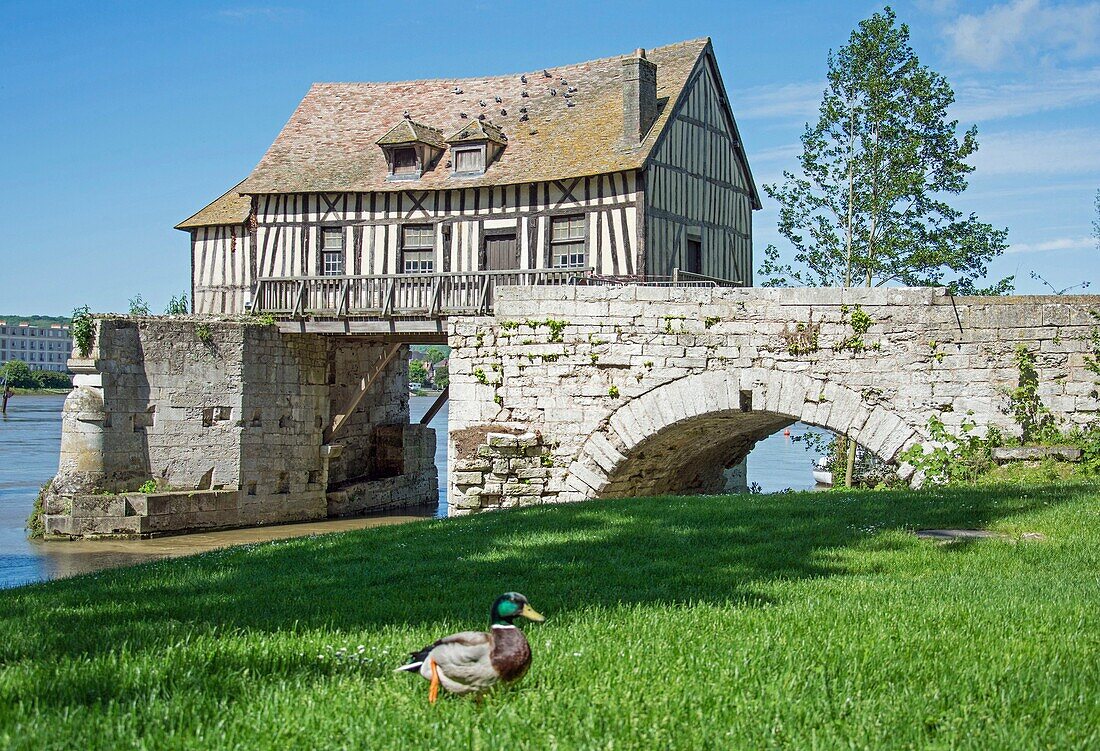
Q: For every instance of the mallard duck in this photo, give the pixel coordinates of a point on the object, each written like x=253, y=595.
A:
x=474, y=661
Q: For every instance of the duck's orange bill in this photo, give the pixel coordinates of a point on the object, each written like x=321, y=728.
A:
x=531, y=614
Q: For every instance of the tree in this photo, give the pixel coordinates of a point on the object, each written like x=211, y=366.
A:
x=18, y=375
x=434, y=355
x=867, y=208
x=442, y=376
x=417, y=373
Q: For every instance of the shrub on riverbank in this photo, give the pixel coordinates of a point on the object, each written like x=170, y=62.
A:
x=794, y=620
x=36, y=522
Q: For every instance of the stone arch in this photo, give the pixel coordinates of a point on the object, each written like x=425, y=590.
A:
x=717, y=416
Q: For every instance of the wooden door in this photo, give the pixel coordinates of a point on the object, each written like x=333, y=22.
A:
x=501, y=252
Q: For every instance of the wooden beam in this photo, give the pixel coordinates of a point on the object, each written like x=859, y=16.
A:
x=343, y=309
x=357, y=396
x=483, y=303
x=436, y=406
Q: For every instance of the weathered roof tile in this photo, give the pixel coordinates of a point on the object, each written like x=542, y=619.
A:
x=329, y=143
x=229, y=208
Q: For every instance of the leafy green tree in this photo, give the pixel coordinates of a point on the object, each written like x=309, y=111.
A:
x=442, y=376
x=417, y=373
x=434, y=355
x=177, y=306
x=867, y=207
x=19, y=375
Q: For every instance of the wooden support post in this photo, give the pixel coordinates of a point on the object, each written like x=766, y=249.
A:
x=387, y=306
x=365, y=383
x=483, y=303
x=436, y=406
x=300, y=302
x=437, y=297
x=342, y=310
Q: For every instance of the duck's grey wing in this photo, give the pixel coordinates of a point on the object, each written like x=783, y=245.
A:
x=462, y=661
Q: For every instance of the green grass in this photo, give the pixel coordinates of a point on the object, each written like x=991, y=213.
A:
x=788, y=621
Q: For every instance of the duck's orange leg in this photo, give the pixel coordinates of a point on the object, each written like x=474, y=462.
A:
x=433, y=692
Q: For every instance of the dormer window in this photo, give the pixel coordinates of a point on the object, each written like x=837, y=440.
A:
x=469, y=161
x=405, y=162
x=474, y=148
x=411, y=149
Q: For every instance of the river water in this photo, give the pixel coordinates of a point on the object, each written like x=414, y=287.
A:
x=30, y=437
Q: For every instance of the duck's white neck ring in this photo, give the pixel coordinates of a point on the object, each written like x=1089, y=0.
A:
x=503, y=625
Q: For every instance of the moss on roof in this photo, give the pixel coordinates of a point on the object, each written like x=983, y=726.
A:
x=229, y=208
x=479, y=131
x=408, y=132
x=329, y=143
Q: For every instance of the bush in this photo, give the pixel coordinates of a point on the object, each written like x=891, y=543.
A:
x=36, y=522
x=138, y=306
x=51, y=379
x=82, y=327
x=177, y=306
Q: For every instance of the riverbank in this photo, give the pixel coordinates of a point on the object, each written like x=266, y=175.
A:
x=797, y=620
x=40, y=392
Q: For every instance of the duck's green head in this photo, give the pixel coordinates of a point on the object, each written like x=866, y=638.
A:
x=512, y=605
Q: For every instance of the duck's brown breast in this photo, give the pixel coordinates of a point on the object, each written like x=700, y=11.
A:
x=510, y=654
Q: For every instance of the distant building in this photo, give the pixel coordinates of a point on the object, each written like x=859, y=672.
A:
x=40, y=347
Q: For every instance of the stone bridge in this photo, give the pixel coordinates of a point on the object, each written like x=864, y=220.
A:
x=568, y=393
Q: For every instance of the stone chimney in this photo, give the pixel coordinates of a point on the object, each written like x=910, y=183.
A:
x=639, y=97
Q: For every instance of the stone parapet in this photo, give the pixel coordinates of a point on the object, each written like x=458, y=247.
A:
x=639, y=390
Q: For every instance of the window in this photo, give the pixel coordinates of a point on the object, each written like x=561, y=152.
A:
x=567, y=241
x=693, y=256
x=417, y=248
x=404, y=162
x=469, y=161
x=332, y=251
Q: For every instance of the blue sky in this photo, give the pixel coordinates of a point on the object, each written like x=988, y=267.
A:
x=119, y=119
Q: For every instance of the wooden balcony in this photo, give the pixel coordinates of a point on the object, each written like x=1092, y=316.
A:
x=408, y=304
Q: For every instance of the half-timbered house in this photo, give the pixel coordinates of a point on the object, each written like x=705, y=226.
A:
x=628, y=166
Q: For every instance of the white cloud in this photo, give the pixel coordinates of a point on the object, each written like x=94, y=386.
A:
x=797, y=101
x=976, y=101
x=1023, y=32
x=1043, y=152
x=1058, y=243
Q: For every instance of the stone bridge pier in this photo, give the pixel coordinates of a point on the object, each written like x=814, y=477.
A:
x=569, y=393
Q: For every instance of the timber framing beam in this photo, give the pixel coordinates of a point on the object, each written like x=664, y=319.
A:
x=365, y=383
x=436, y=406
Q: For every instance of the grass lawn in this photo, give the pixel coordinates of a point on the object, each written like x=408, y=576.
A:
x=787, y=621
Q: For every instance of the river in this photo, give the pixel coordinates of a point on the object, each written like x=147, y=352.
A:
x=30, y=436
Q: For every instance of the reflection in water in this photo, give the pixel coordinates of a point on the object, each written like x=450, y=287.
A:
x=30, y=438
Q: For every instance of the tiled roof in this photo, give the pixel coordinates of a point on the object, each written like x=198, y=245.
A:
x=478, y=131
x=407, y=131
x=330, y=142
x=229, y=208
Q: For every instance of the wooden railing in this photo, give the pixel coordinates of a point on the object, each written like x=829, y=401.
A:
x=397, y=295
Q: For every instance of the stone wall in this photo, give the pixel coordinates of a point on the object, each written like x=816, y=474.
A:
x=647, y=390
x=200, y=404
